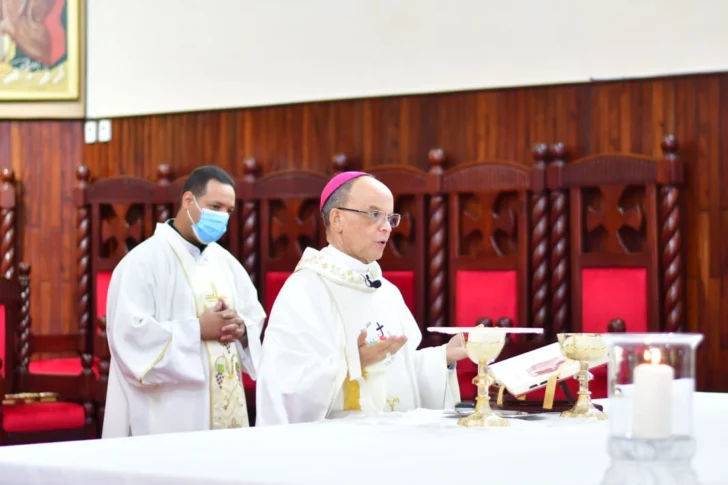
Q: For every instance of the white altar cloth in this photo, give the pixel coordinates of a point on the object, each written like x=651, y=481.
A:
x=418, y=447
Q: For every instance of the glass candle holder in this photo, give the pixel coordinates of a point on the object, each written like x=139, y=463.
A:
x=651, y=391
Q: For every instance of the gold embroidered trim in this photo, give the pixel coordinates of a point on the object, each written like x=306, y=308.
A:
x=155, y=362
x=320, y=262
x=352, y=393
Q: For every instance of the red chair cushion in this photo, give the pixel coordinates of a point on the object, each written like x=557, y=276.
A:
x=405, y=282
x=609, y=293
x=102, y=289
x=248, y=383
x=478, y=294
x=26, y=418
x=70, y=366
x=2, y=340
x=274, y=281
x=492, y=294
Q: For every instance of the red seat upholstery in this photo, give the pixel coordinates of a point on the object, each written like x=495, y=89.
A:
x=70, y=366
x=607, y=294
x=274, y=281
x=479, y=293
x=103, y=279
x=405, y=282
x=52, y=416
x=2, y=341
x=28, y=422
x=248, y=383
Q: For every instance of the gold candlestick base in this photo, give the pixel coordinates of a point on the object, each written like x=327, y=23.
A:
x=584, y=348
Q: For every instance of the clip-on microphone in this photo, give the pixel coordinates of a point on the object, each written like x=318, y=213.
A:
x=372, y=284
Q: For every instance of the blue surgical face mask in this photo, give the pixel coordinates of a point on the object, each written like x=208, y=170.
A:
x=211, y=226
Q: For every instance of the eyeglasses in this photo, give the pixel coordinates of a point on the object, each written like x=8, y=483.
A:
x=377, y=216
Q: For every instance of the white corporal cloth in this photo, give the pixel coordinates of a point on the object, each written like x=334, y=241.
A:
x=421, y=446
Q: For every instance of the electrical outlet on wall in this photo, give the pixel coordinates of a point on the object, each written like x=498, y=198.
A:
x=104, y=131
x=90, y=134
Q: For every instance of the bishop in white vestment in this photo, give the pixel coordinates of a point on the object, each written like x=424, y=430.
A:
x=165, y=296
x=332, y=308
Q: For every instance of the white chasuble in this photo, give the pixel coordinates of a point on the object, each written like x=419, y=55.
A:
x=227, y=396
x=163, y=377
x=310, y=366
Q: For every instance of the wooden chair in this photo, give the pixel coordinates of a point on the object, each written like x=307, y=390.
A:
x=113, y=216
x=497, y=228
x=32, y=355
x=404, y=259
x=290, y=221
x=37, y=407
x=616, y=244
x=28, y=343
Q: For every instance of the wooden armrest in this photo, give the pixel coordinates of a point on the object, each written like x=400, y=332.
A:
x=52, y=344
x=78, y=387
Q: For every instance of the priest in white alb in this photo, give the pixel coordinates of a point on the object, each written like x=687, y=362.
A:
x=340, y=338
x=183, y=322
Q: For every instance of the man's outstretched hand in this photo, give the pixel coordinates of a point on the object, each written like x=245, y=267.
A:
x=455, y=349
x=371, y=354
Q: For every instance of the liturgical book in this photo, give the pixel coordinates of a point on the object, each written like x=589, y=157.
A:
x=531, y=370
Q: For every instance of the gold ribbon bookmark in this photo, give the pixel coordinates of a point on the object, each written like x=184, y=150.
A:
x=548, y=399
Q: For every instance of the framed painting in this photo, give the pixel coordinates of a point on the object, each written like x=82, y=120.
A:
x=40, y=50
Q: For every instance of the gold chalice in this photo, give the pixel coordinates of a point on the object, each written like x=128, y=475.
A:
x=587, y=349
x=482, y=346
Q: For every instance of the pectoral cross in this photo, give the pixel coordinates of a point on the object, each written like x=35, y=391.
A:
x=212, y=297
x=380, y=329
x=392, y=402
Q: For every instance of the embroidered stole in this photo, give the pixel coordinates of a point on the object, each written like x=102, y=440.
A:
x=209, y=284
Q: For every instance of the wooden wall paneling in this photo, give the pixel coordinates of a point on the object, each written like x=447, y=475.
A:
x=627, y=116
x=43, y=155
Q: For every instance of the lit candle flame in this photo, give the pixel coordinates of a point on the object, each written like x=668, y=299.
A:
x=653, y=356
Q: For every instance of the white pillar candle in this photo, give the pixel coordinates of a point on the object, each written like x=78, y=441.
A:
x=652, y=416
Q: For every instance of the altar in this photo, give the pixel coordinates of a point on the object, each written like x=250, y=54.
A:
x=421, y=447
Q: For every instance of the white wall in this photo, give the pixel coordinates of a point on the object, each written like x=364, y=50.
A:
x=160, y=56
